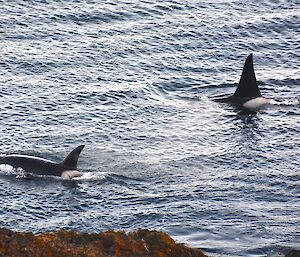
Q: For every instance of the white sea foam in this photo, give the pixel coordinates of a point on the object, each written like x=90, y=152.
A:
x=8, y=169
x=88, y=176
x=285, y=102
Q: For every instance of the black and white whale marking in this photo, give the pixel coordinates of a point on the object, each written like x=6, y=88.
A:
x=247, y=94
x=66, y=169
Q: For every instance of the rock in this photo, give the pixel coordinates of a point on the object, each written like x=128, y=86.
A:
x=293, y=253
x=107, y=244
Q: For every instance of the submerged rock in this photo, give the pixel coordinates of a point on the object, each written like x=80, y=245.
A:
x=140, y=243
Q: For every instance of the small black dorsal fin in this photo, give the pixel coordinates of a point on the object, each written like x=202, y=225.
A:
x=248, y=86
x=71, y=160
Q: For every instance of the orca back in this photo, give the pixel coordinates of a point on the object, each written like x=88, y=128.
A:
x=32, y=164
x=42, y=166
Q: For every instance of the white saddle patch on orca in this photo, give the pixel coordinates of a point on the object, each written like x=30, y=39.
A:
x=69, y=174
x=256, y=104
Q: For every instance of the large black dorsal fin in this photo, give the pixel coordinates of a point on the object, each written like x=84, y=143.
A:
x=71, y=160
x=248, y=87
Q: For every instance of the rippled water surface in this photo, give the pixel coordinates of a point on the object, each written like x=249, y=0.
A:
x=132, y=80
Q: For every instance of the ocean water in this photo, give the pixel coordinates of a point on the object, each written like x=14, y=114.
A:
x=133, y=81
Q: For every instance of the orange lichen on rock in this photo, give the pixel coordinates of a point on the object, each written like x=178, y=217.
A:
x=140, y=243
x=162, y=245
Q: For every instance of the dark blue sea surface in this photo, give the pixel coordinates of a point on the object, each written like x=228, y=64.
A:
x=132, y=80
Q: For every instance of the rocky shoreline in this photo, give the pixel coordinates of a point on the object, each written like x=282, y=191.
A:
x=139, y=243
x=107, y=244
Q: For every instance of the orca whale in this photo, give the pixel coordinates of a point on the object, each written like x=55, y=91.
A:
x=66, y=169
x=247, y=94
